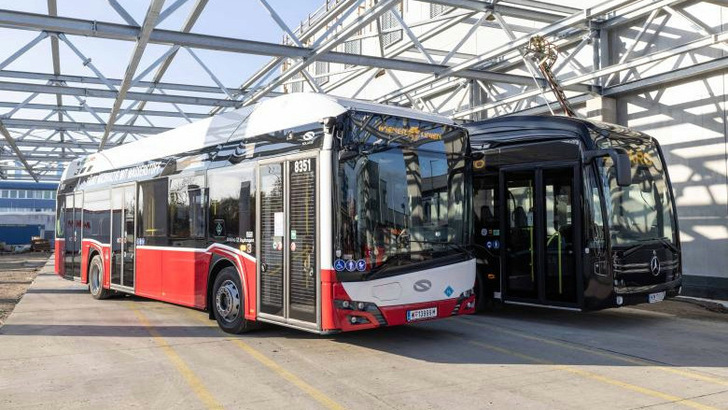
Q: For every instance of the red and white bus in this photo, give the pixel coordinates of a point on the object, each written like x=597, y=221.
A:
x=305, y=210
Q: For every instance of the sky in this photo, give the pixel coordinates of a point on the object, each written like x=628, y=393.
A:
x=245, y=19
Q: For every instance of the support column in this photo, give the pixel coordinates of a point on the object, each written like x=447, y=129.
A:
x=602, y=109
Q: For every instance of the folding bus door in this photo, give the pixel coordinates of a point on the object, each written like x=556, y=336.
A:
x=287, y=268
x=69, y=236
x=541, y=236
x=123, y=214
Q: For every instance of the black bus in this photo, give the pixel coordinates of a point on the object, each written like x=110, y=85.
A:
x=572, y=214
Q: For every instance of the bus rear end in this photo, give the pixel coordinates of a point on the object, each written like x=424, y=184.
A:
x=401, y=223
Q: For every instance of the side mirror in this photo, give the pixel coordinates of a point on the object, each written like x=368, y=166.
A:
x=347, y=154
x=621, y=163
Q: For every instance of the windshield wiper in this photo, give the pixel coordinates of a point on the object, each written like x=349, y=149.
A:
x=387, y=263
x=669, y=244
x=453, y=245
x=632, y=249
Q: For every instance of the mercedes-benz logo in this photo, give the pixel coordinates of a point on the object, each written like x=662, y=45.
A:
x=655, y=265
x=422, y=285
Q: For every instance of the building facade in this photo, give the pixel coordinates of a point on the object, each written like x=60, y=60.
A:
x=27, y=209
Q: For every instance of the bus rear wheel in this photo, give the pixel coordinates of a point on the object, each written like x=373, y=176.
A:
x=228, y=303
x=96, y=279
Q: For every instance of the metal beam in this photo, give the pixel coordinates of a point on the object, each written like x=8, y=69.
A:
x=42, y=143
x=103, y=110
x=544, y=15
x=399, y=49
x=325, y=47
x=569, y=22
x=164, y=66
x=201, y=41
x=11, y=141
x=121, y=11
x=341, y=11
x=149, y=22
x=101, y=93
x=647, y=59
x=78, y=126
x=556, y=8
x=115, y=81
x=681, y=75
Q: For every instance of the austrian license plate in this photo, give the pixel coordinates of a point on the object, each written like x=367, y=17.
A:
x=421, y=314
x=656, y=297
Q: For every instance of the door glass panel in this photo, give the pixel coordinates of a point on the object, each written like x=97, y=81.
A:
x=594, y=238
x=117, y=197
x=487, y=227
x=128, y=240
x=77, y=233
x=560, y=277
x=302, y=235
x=521, y=280
x=272, y=224
x=69, y=234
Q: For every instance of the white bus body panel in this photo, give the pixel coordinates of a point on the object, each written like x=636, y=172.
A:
x=275, y=114
x=400, y=289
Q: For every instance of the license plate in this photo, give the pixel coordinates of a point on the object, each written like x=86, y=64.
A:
x=656, y=297
x=421, y=314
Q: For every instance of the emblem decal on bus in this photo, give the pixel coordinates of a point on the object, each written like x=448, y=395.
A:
x=655, y=265
x=422, y=285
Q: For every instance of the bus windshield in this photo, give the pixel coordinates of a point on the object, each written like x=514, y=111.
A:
x=401, y=192
x=642, y=211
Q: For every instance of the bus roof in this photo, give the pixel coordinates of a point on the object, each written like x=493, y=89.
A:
x=275, y=114
x=521, y=128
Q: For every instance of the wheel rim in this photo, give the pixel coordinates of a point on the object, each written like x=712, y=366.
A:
x=227, y=301
x=95, y=278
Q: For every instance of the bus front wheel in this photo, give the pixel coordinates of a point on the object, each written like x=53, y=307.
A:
x=96, y=279
x=228, y=302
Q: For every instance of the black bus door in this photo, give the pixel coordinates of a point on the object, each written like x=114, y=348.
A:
x=487, y=237
x=541, y=236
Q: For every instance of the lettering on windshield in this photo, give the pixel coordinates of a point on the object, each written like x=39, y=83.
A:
x=413, y=133
x=639, y=157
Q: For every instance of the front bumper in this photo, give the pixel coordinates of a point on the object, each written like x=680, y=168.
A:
x=353, y=315
x=634, y=295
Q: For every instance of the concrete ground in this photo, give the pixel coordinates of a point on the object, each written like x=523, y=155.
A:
x=62, y=349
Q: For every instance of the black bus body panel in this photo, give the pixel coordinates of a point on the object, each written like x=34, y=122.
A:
x=542, y=142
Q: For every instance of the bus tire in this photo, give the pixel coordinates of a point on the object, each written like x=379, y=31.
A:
x=481, y=297
x=228, y=302
x=96, y=278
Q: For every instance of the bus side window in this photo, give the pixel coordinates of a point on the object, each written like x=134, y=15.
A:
x=186, y=209
x=61, y=215
x=152, y=212
x=232, y=206
x=97, y=205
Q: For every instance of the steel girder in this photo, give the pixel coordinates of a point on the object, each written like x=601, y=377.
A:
x=444, y=76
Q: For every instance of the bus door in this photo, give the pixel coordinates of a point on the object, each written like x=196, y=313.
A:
x=72, y=234
x=542, y=236
x=123, y=214
x=487, y=235
x=288, y=283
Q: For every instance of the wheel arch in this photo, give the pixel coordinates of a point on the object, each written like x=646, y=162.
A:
x=93, y=251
